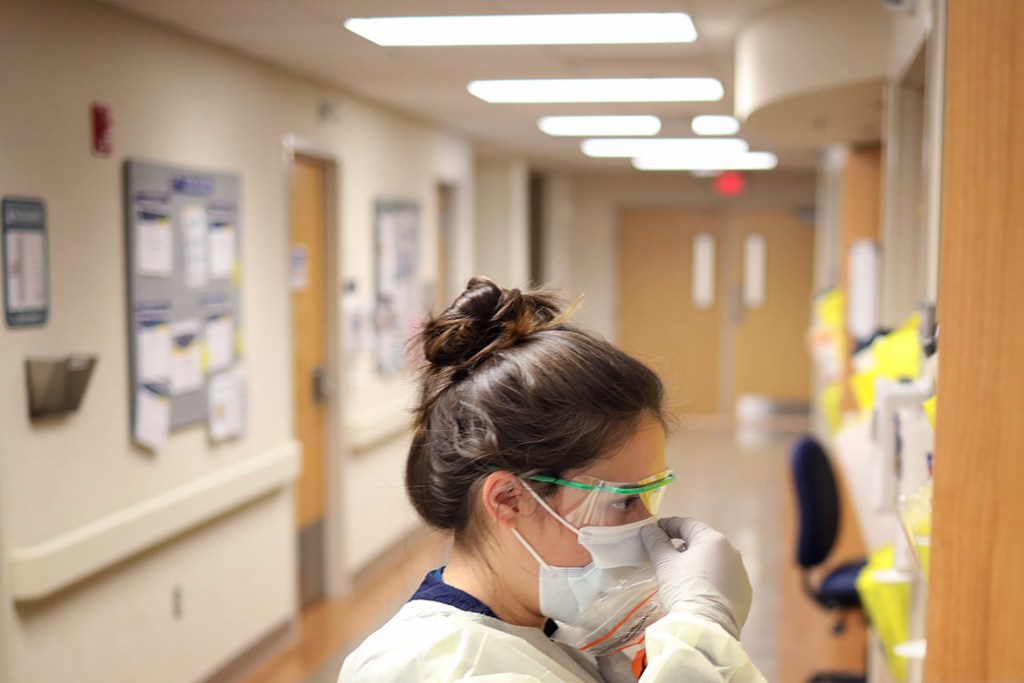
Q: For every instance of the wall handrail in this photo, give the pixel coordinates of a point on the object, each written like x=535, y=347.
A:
x=43, y=569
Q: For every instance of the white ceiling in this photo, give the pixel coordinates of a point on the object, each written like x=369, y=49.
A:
x=308, y=36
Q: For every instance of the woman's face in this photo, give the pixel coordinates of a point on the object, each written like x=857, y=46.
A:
x=639, y=457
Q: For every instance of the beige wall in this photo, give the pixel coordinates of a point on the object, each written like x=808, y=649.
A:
x=180, y=102
x=502, y=221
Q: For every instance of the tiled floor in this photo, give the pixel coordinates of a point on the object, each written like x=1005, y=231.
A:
x=737, y=484
x=734, y=481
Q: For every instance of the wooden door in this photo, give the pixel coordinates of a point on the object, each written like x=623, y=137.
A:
x=769, y=340
x=658, y=320
x=308, y=256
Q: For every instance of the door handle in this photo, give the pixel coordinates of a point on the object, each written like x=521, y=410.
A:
x=323, y=387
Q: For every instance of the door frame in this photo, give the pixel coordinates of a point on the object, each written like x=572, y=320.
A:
x=336, y=582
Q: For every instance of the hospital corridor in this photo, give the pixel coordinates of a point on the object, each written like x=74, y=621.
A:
x=473, y=341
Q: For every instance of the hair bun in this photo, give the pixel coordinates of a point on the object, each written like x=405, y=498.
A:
x=486, y=318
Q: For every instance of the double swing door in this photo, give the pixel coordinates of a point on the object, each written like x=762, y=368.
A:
x=683, y=309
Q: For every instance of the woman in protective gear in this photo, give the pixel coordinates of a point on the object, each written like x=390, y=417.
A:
x=541, y=450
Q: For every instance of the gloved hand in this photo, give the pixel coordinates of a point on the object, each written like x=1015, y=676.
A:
x=706, y=578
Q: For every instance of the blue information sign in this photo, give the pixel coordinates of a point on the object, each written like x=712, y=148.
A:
x=26, y=269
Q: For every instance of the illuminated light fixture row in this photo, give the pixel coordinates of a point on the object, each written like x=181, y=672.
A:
x=582, y=126
x=547, y=90
x=700, y=154
x=527, y=29
x=587, y=126
x=682, y=154
x=715, y=125
x=746, y=161
x=663, y=147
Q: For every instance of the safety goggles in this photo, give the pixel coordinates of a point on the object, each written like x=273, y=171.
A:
x=587, y=501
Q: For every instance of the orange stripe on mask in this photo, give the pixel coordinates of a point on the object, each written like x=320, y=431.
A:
x=621, y=622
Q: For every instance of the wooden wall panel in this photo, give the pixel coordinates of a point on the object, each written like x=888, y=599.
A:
x=976, y=609
x=860, y=206
x=860, y=218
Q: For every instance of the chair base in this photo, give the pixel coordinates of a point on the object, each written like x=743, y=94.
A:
x=836, y=677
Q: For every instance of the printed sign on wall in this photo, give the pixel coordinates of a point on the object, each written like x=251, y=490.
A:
x=26, y=271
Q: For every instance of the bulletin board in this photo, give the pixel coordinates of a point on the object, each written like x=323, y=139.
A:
x=399, y=303
x=184, y=301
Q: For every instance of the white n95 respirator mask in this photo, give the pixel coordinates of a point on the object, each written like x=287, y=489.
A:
x=601, y=608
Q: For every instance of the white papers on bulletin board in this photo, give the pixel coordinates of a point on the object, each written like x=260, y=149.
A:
x=222, y=249
x=154, y=238
x=228, y=410
x=153, y=342
x=220, y=341
x=184, y=247
x=398, y=302
x=152, y=416
x=186, y=357
x=195, y=233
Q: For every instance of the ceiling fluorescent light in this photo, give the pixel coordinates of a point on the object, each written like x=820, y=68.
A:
x=537, y=29
x=599, y=90
x=670, y=148
x=715, y=125
x=748, y=161
x=599, y=125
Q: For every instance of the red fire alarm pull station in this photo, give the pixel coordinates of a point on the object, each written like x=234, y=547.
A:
x=102, y=130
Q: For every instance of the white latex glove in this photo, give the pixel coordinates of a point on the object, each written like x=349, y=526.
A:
x=705, y=578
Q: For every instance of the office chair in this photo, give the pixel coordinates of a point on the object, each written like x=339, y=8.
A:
x=818, y=502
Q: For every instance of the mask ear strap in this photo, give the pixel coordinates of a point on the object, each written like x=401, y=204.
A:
x=529, y=548
x=551, y=510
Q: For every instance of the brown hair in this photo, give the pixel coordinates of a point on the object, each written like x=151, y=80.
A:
x=510, y=384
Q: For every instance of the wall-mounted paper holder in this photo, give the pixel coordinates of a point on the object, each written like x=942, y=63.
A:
x=56, y=385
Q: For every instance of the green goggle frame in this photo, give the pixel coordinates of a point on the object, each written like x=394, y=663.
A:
x=655, y=482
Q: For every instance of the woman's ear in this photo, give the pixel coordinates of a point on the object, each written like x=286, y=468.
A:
x=505, y=500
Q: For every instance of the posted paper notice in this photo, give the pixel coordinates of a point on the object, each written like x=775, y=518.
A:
x=152, y=416
x=26, y=270
x=220, y=341
x=154, y=245
x=222, y=250
x=196, y=271
x=186, y=357
x=153, y=343
x=228, y=397
x=299, y=267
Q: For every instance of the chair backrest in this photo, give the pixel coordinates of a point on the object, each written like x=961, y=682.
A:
x=817, y=500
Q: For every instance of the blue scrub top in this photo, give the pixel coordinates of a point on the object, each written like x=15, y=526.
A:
x=434, y=588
